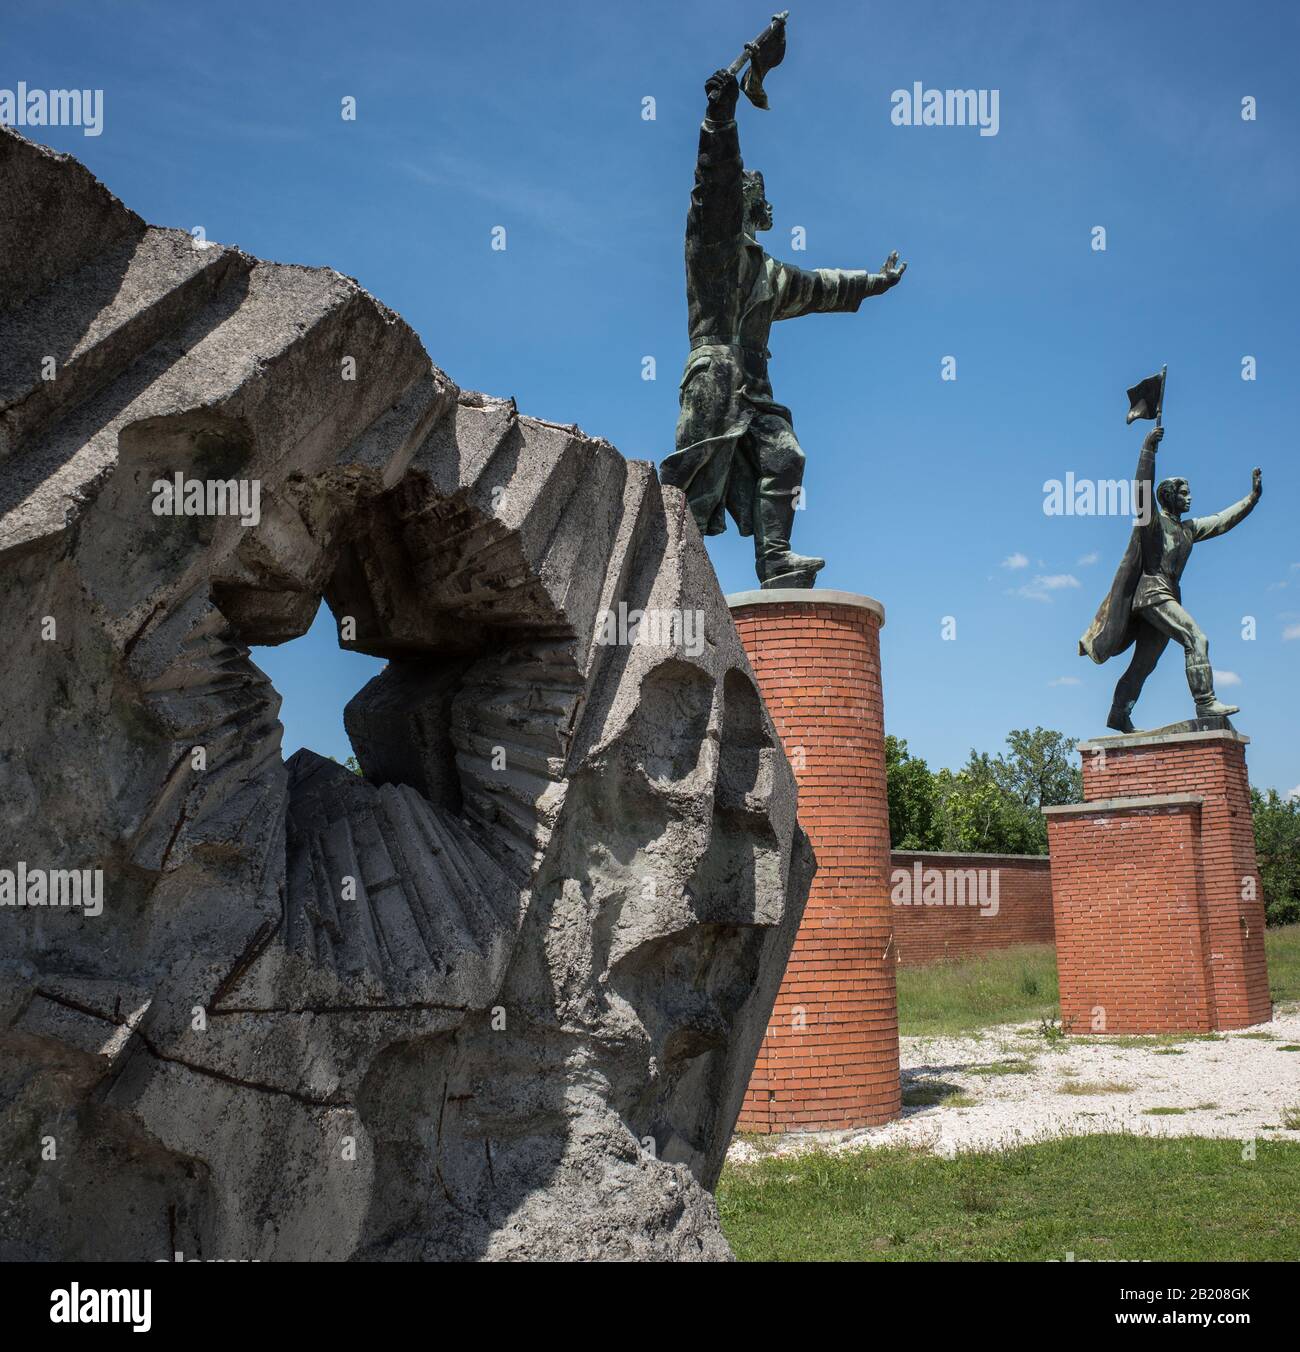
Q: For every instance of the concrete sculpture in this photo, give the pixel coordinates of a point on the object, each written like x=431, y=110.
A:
x=499, y=996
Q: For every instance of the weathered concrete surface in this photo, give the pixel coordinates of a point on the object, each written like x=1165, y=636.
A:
x=498, y=999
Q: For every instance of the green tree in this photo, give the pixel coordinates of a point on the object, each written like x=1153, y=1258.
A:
x=912, y=806
x=978, y=815
x=1039, y=769
x=992, y=805
x=1277, y=846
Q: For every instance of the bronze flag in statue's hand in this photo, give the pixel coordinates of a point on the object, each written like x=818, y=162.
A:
x=1146, y=398
x=765, y=53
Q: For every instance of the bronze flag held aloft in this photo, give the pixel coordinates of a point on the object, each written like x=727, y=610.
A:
x=765, y=53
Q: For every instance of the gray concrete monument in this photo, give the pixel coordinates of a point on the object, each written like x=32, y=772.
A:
x=499, y=996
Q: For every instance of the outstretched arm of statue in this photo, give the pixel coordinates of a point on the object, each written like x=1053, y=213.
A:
x=1144, y=477
x=801, y=291
x=1206, y=527
x=717, y=209
x=889, y=275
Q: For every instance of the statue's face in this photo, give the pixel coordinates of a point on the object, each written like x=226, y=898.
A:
x=758, y=210
x=1176, y=496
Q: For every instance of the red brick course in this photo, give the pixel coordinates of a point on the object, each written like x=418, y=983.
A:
x=934, y=933
x=1156, y=893
x=830, y=1057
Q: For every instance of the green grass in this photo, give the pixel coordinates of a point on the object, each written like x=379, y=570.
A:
x=1087, y=1088
x=1015, y=1067
x=1282, y=945
x=1160, y=1042
x=1117, y=1197
x=1014, y=985
x=1018, y=985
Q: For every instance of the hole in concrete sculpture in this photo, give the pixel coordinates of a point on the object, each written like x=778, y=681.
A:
x=314, y=677
x=474, y=705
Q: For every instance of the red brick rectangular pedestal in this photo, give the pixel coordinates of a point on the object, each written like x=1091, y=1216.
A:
x=1155, y=888
x=830, y=1057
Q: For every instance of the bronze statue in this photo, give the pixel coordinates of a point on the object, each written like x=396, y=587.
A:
x=1144, y=606
x=736, y=447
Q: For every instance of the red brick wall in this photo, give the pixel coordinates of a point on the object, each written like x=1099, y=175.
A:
x=830, y=1057
x=1130, y=953
x=932, y=933
x=1155, y=917
x=1215, y=767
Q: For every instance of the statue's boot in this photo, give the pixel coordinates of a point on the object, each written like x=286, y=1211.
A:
x=777, y=564
x=1120, y=718
x=1200, y=677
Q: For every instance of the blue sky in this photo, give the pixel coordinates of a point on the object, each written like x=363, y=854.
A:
x=919, y=490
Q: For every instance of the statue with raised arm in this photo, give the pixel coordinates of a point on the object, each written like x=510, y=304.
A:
x=1145, y=605
x=736, y=448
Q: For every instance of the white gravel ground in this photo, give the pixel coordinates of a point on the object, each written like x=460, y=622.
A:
x=1237, y=1085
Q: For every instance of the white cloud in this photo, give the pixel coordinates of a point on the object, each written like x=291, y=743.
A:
x=1291, y=631
x=1016, y=560
x=1042, y=587
x=1065, y=680
x=1295, y=793
x=1226, y=677
x=1089, y=559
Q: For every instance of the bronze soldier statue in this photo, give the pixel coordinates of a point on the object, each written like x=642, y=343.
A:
x=736, y=447
x=1144, y=606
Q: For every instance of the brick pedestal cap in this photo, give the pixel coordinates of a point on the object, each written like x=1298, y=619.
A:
x=1155, y=888
x=830, y=1057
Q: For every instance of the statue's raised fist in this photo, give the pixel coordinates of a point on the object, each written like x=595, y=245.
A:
x=722, y=90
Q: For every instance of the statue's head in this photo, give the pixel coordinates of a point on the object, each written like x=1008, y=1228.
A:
x=1174, y=495
x=758, y=210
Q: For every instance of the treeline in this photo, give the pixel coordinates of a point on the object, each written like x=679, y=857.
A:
x=1277, y=845
x=992, y=806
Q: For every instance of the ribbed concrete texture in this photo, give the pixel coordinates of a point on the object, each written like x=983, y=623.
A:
x=1155, y=888
x=830, y=1057
x=495, y=997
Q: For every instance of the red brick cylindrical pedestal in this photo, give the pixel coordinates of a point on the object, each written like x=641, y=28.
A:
x=1155, y=888
x=830, y=1057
